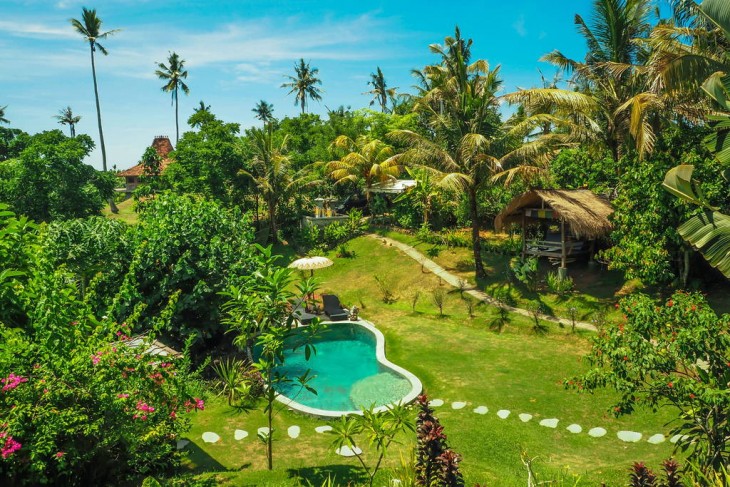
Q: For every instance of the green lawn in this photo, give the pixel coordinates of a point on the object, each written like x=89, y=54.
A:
x=126, y=212
x=457, y=359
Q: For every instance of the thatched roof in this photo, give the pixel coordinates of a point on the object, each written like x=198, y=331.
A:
x=585, y=212
x=163, y=146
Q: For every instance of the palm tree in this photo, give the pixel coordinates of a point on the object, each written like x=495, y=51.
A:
x=381, y=93
x=270, y=170
x=460, y=103
x=264, y=111
x=611, y=80
x=173, y=74
x=2, y=115
x=202, y=107
x=66, y=117
x=304, y=84
x=364, y=160
x=90, y=28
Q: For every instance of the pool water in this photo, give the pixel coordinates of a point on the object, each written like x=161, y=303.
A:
x=347, y=374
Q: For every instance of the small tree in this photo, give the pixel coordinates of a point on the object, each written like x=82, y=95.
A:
x=439, y=296
x=379, y=429
x=674, y=354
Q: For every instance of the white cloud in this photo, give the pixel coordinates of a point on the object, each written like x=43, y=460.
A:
x=35, y=30
x=519, y=26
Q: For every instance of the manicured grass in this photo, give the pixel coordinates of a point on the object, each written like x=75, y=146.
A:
x=458, y=359
x=126, y=212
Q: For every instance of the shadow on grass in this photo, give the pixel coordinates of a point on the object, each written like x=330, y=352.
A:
x=316, y=476
x=203, y=462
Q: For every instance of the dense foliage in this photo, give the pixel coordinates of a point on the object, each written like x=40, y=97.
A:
x=78, y=405
x=672, y=354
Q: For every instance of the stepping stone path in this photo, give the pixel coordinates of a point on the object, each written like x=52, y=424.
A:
x=656, y=439
x=550, y=423
x=346, y=451
x=597, y=432
x=263, y=431
x=434, y=403
x=481, y=410
x=574, y=428
x=677, y=438
x=629, y=436
x=182, y=444
x=524, y=417
x=503, y=413
x=210, y=437
x=458, y=405
x=294, y=431
x=323, y=429
x=238, y=435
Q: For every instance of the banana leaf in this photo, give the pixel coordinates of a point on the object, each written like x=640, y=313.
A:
x=709, y=232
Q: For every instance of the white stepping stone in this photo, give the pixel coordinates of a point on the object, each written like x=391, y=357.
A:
x=597, y=432
x=263, y=431
x=656, y=439
x=550, y=422
x=503, y=413
x=210, y=437
x=458, y=405
x=629, y=436
x=346, y=451
x=677, y=438
x=481, y=410
x=434, y=403
x=238, y=435
x=524, y=417
x=182, y=444
x=293, y=431
x=323, y=429
x=574, y=428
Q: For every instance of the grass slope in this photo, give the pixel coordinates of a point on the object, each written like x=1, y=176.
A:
x=458, y=359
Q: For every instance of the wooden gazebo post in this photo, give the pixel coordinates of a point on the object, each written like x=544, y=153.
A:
x=563, y=271
x=524, y=231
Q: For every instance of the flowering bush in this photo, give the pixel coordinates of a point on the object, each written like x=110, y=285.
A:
x=674, y=353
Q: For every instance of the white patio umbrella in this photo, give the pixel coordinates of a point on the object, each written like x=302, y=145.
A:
x=311, y=263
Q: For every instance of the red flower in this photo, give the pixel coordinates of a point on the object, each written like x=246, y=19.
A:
x=670, y=303
x=60, y=454
x=692, y=396
x=670, y=385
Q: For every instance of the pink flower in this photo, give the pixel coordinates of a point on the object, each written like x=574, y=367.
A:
x=173, y=414
x=12, y=381
x=123, y=395
x=60, y=454
x=10, y=447
x=199, y=404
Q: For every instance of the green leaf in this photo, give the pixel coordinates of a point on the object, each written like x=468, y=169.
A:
x=678, y=181
x=718, y=11
x=709, y=232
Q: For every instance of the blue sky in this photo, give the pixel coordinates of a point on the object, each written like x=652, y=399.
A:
x=237, y=52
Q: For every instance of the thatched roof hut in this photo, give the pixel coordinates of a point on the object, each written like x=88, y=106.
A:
x=585, y=212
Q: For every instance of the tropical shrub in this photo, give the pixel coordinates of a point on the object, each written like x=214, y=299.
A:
x=436, y=463
x=525, y=271
x=672, y=354
x=560, y=285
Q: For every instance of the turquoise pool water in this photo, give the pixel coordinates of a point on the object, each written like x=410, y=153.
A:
x=348, y=373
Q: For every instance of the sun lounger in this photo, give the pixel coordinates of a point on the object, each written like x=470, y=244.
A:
x=301, y=314
x=333, y=309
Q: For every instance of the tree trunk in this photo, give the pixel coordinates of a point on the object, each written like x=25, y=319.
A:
x=98, y=109
x=270, y=439
x=177, y=128
x=274, y=238
x=476, y=244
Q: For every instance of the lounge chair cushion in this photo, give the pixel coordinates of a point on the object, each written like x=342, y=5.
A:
x=333, y=308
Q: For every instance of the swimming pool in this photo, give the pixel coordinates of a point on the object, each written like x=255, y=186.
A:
x=351, y=373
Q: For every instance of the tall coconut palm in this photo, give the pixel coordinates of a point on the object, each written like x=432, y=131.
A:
x=202, y=107
x=304, y=84
x=90, y=29
x=2, y=115
x=173, y=73
x=66, y=117
x=264, y=111
x=460, y=102
x=366, y=161
x=612, y=76
x=381, y=93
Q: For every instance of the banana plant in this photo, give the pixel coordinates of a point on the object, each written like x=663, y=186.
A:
x=708, y=231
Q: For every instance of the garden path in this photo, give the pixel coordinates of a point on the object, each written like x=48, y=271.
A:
x=457, y=282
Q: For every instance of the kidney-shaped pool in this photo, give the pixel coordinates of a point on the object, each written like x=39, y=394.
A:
x=350, y=373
